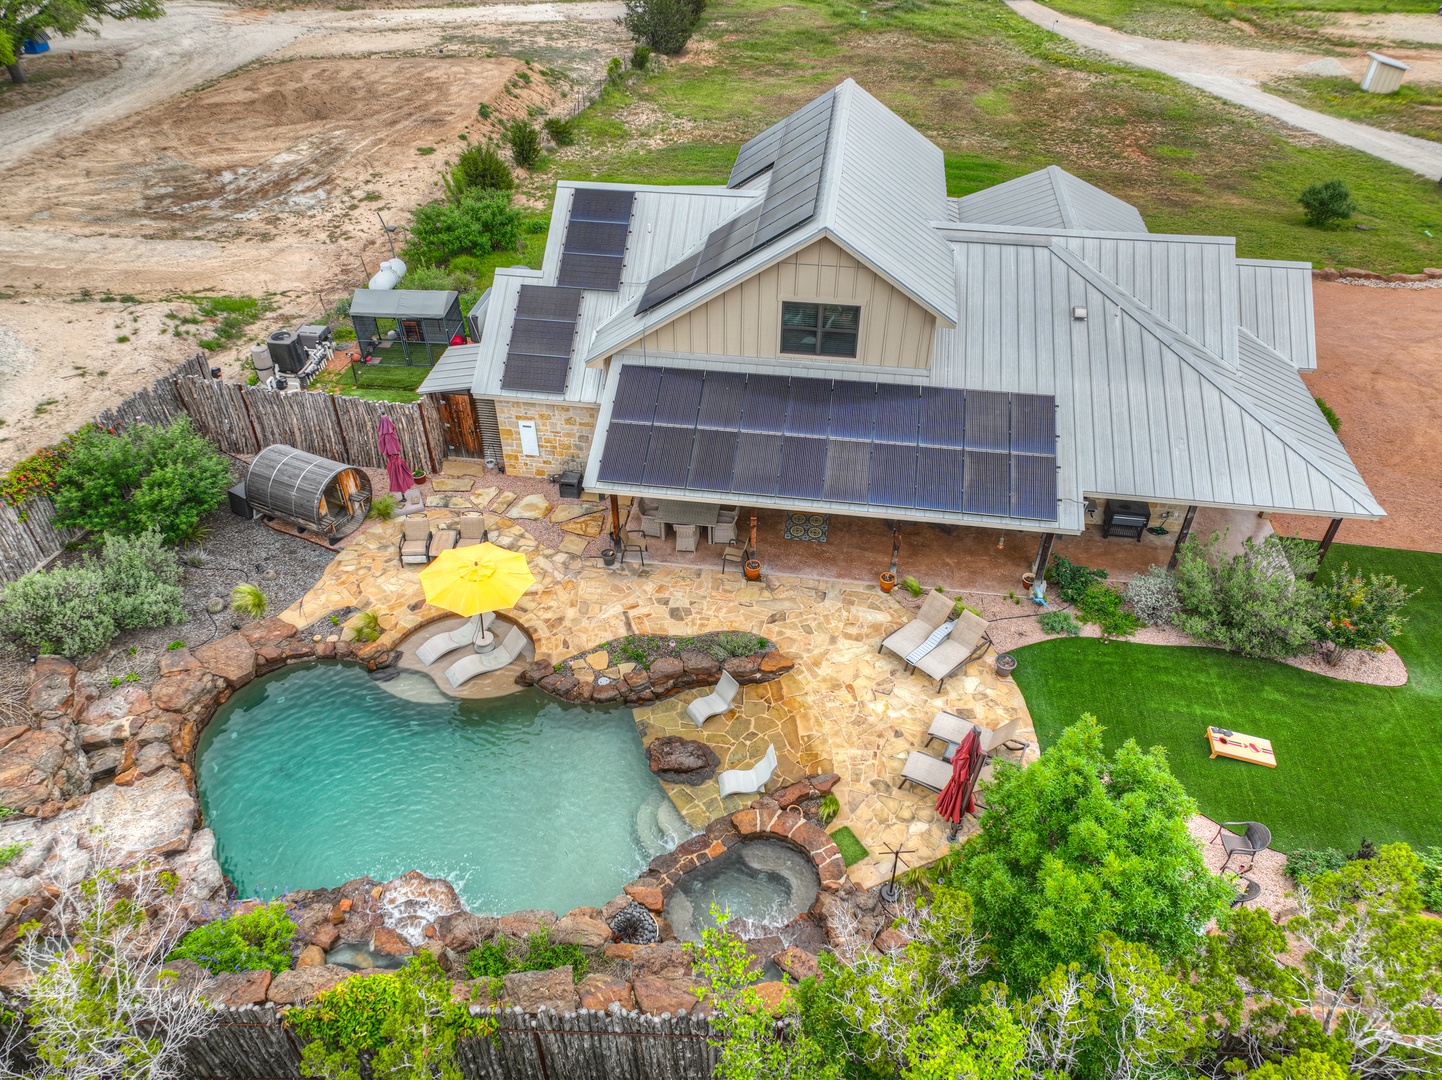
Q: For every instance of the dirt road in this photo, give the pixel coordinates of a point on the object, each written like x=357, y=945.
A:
x=1231, y=73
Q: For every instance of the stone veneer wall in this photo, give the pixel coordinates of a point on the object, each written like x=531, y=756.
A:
x=563, y=433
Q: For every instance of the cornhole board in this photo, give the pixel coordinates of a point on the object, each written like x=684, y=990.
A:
x=1242, y=747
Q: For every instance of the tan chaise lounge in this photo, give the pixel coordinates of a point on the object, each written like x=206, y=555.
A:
x=935, y=610
x=968, y=640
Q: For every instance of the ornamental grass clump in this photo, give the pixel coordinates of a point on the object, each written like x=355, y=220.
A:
x=247, y=599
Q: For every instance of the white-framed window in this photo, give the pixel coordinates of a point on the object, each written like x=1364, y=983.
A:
x=819, y=329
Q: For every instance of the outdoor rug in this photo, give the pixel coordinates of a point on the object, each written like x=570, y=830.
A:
x=807, y=527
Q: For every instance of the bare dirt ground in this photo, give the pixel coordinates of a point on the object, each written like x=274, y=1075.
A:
x=239, y=151
x=1379, y=367
x=1380, y=29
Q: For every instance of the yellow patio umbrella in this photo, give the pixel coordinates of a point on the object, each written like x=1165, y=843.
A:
x=476, y=579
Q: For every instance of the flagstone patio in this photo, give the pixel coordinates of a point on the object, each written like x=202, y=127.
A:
x=843, y=708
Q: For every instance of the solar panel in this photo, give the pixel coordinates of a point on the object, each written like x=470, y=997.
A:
x=1033, y=486
x=893, y=474
x=721, y=397
x=712, y=460
x=853, y=405
x=764, y=407
x=596, y=237
x=758, y=460
x=668, y=457
x=847, y=469
x=803, y=468
x=624, y=459
x=636, y=395
x=939, y=474
x=898, y=412
x=809, y=407
x=543, y=374
x=679, y=397
x=547, y=302
x=1033, y=424
x=542, y=337
x=602, y=204
x=539, y=355
x=986, y=420
x=986, y=483
x=942, y=414
x=599, y=272
x=668, y=283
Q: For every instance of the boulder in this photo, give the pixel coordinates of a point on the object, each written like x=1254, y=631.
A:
x=772, y=994
x=797, y=963
x=158, y=729
x=324, y=936
x=700, y=663
x=36, y=767
x=176, y=661
x=156, y=814
x=741, y=668
x=200, y=877
x=792, y=794
x=153, y=756
x=188, y=692
x=529, y=508
x=310, y=956
x=535, y=671
x=299, y=985
x=665, y=961
x=825, y=782
x=412, y=901
x=536, y=990
x=105, y=761
x=602, y=694
x=682, y=761
x=52, y=688
x=648, y=896
x=233, y=989
x=657, y=996
x=386, y=942
x=184, y=975
x=113, y=718
x=774, y=663
x=598, y=991
x=231, y=657
x=520, y=924
x=667, y=669
x=267, y=632
x=463, y=931
x=580, y=930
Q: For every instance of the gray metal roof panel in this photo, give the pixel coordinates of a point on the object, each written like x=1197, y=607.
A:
x=453, y=372
x=1049, y=198
x=392, y=303
x=1275, y=301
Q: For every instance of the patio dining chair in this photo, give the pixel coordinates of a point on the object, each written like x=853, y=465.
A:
x=935, y=610
x=1245, y=893
x=632, y=542
x=415, y=542
x=651, y=523
x=472, y=528
x=1256, y=838
x=724, y=531
x=686, y=536
x=733, y=554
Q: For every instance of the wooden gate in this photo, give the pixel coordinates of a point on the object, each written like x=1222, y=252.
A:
x=458, y=417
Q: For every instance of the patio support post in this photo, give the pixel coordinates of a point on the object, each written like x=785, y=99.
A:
x=1043, y=555
x=616, y=521
x=1327, y=538
x=1182, y=534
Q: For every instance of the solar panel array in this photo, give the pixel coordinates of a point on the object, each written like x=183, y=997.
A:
x=794, y=150
x=540, y=352
x=595, y=244
x=882, y=444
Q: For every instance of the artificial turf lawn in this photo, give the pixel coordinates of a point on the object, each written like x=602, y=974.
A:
x=1353, y=761
x=852, y=849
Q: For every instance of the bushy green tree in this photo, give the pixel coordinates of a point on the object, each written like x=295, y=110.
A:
x=525, y=143
x=1362, y=612
x=480, y=223
x=1257, y=602
x=141, y=477
x=662, y=25
x=479, y=168
x=1078, y=845
x=1326, y=203
x=21, y=19
x=1304, y=1065
x=246, y=941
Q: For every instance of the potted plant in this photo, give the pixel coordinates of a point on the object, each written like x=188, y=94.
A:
x=1028, y=580
x=888, y=581
x=608, y=556
x=1005, y=665
x=419, y=476
x=753, y=569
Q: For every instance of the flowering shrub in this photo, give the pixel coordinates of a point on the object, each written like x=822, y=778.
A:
x=35, y=475
x=1362, y=613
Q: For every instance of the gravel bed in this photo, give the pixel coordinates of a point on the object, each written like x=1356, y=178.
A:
x=1269, y=869
x=1435, y=283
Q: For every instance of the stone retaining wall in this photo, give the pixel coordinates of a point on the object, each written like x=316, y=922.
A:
x=629, y=684
x=1329, y=273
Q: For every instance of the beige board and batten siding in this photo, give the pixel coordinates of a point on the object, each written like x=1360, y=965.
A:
x=745, y=320
x=563, y=435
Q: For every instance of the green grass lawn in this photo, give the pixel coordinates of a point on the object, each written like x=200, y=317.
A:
x=1353, y=761
x=1281, y=20
x=1001, y=97
x=1412, y=110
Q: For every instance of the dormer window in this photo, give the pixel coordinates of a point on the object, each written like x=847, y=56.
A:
x=819, y=329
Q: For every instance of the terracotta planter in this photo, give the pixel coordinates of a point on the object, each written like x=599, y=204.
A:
x=1028, y=580
x=888, y=582
x=419, y=478
x=753, y=569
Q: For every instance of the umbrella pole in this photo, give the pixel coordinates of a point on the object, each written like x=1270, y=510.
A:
x=616, y=522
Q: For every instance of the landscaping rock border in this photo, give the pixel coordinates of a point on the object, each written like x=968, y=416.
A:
x=627, y=684
x=1351, y=275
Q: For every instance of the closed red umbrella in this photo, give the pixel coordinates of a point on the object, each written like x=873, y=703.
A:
x=397, y=471
x=956, y=799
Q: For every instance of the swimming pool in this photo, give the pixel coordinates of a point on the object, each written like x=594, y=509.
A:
x=318, y=774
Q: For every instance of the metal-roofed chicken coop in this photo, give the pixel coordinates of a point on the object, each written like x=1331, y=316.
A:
x=423, y=321
x=308, y=491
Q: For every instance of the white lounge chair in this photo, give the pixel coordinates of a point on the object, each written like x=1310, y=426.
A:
x=479, y=663
x=437, y=646
x=738, y=781
x=715, y=703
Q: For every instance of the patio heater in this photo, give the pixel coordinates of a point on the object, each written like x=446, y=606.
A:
x=890, y=892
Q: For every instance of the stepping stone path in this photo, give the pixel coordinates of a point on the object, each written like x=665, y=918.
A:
x=572, y=511
x=587, y=526
x=452, y=483
x=530, y=508
x=482, y=496
x=599, y=661
x=504, y=502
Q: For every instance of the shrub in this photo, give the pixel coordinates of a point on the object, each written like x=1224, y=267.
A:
x=662, y=25
x=960, y=606
x=145, y=476
x=641, y=57
x=1362, y=613
x=740, y=643
x=63, y=611
x=561, y=131
x=1326, y=203
x=247, y=599
x=1059, y=622
x=1254, y=603
x=911, y=585
x=1333, y=420
x=366, y=627
x=1430, y=880
x=525, y=143
x=829, y=808
x=482, y=222
x=1102, y=604
x=36, y=474
x=249, y=942
x=1153, y=596
x=1072, y=579
x=479, y=168
x=497, y=958
x=383, y=507
x=141, y=578
x=1305, y=862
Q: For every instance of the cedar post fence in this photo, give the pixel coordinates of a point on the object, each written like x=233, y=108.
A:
x=240, y=420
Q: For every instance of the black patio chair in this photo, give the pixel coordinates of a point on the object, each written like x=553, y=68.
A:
x=1245, y=894
x=1256, y=838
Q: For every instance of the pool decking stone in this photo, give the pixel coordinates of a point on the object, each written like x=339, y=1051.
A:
x=843, y=708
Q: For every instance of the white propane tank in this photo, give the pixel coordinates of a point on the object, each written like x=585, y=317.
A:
x=389, y=275
x=260, y=360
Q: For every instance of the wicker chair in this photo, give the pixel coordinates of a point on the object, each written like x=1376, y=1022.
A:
x=1256, y=838
x=415, y=542
x=472, y=529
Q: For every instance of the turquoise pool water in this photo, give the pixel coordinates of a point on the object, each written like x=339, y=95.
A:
x=318, y=774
